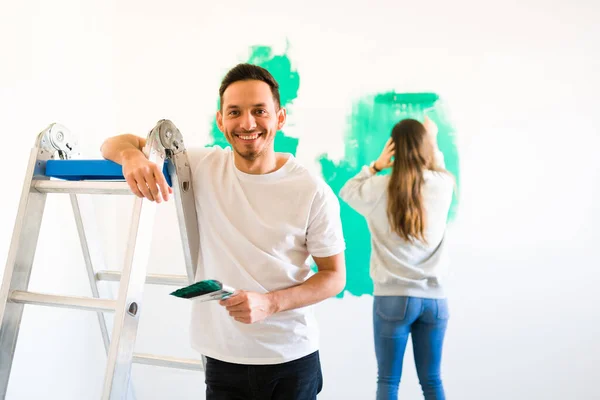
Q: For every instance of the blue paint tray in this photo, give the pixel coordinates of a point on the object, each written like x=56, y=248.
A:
x=99, y=170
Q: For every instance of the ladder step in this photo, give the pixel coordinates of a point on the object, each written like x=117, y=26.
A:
x=81, y=187
x=78, y=303
x=154, y=279
x=169, y=362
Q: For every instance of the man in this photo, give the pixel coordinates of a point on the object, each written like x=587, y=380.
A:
x=261, y=215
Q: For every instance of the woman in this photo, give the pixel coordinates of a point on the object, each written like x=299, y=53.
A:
x=406, y=212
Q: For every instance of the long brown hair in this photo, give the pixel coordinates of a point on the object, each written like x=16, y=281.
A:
x=413, y=154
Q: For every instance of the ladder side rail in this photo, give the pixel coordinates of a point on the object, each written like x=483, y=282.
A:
x=133, y=276
x=92, y=255
x=185, y=205
x=19, y=263
x=167, y=135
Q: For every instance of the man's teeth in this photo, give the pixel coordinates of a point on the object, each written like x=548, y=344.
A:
x=249, y=137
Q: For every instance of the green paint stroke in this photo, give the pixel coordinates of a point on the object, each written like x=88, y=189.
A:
x=370, y=126
x=280, y=67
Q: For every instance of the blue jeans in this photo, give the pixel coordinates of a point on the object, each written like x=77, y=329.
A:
x=295, y=380
x=394, y=318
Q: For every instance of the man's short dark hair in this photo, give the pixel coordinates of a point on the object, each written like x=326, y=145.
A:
x=247, y=72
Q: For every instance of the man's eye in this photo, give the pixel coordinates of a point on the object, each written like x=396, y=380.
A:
x=261, y=112
x=233, y=113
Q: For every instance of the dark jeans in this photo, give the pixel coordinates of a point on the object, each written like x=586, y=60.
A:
x=295, y=380
x=394, y=319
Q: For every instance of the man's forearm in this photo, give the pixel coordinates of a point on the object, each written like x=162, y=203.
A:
x=320, y=286
x=119, y=148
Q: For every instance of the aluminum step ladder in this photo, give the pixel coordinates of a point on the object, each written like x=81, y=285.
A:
x=55, y=167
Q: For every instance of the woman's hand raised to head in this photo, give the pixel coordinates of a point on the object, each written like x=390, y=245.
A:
x=385, y=158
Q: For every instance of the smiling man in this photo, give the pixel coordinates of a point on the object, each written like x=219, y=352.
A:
x=261, y=216
x=250, y=116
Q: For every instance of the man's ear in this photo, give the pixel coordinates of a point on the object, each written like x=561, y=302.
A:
x=281, y=118
x=219, y=118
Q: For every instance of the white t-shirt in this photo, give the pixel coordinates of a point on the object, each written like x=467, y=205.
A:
x=256, y=234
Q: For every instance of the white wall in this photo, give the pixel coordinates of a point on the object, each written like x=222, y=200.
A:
x=520, y=80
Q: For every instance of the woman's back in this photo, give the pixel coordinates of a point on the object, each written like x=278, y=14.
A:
x=398, y=266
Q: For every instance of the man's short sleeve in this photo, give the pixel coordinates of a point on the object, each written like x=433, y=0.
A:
x=324, y=236
x=197, y=154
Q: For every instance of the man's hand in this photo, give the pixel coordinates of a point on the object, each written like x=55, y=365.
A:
x=249, y=307
x=145, y=178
